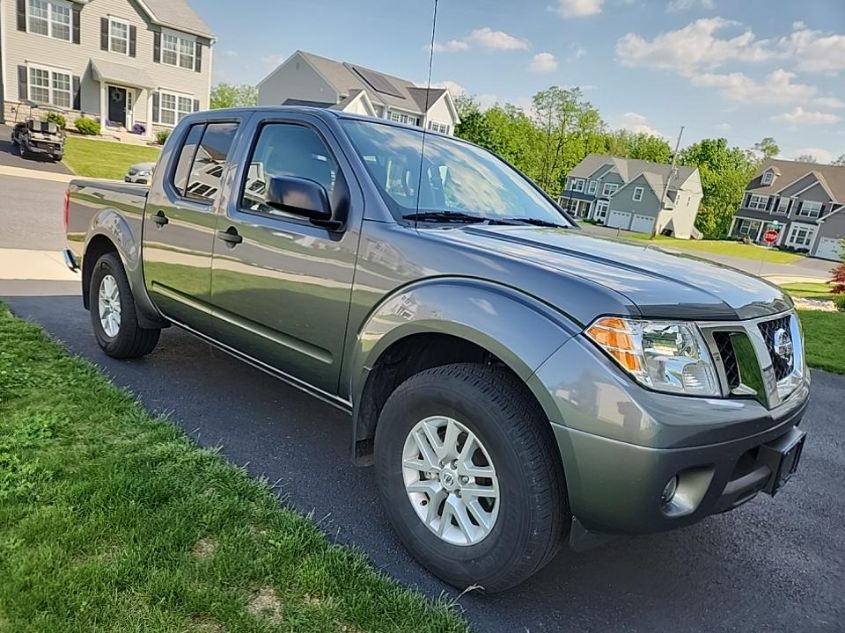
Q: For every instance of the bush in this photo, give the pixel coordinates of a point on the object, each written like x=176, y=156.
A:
x=58, y=119
x=88, y=127
x=162, y=136
x=839, y=301
x=838, y=280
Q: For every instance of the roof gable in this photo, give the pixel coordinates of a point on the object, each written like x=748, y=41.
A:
x=795, y=176
x=628, y=169
x=176, y=14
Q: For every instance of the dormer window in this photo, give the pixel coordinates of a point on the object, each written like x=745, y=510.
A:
x=768, y=176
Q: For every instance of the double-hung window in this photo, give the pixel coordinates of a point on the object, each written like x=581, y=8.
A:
x=434, y=126
x=118, y=36
x=578, y=185
x=593, y=186
x=810, y=209
x=50, y=86
x=609, y=189
x=407, y=119
x=172, y=107
x=49, y=17
x=782, y=207
x=638, y=194
x=758, y=202
x=178, y=51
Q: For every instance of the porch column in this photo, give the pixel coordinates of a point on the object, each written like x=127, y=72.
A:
x=149, y=95
x=733, y=226
x=760, y=232
x=104, y=105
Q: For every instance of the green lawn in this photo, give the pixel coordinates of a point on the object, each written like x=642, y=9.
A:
x=810, y=291
x=825, y=336
x=102, y=159
x=113, y=520
x=720, y=247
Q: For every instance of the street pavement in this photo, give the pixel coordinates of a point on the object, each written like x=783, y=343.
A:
x=9, y=156
x=771, y=565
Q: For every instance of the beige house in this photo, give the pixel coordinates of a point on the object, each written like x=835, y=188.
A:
x=311, y=80
x=129, y=63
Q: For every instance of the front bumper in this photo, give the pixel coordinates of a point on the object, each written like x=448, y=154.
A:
x=620, y=444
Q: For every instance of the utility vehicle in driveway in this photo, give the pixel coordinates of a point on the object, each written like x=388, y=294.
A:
x=514, y=381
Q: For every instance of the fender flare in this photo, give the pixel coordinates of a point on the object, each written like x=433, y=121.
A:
x=518, y=329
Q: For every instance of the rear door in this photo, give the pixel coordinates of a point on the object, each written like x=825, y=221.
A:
x=281, y=292
x=180, y=219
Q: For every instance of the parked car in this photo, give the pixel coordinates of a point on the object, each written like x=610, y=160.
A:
x=514, y=381
x=140, y=173
x=33, y=137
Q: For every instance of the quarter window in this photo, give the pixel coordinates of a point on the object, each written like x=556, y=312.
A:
x=178, y=51
x=48, y=86
x=286, y=150
x=50, y=18
x=199, y=169
x=118, y=36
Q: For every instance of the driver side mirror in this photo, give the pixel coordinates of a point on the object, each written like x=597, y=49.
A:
x=300, y=196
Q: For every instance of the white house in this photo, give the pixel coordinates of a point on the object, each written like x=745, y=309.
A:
x=308, y=79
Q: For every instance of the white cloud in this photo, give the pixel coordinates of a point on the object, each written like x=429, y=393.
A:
x=455, y=89
x=638, y=124
x=543, y=63
x=452, y=46
x=578, y=8
x=693, y=46
x=777, y=88
x=723, y=127
x=822, y=155
x=676, y=6
x=484, y=37
x=814, y=51
x=829, y=102
x=800, y=116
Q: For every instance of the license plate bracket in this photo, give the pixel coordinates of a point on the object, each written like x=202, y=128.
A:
x=782, y=457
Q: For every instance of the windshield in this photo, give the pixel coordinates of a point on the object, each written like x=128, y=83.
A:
x=457, y=177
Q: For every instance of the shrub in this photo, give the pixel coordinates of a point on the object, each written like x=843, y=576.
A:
x=839, y=301
x=838, y=280
x=88, y=127
x=162, y=136
x=58, y=119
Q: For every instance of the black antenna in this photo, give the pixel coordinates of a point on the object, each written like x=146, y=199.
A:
x=427, y=97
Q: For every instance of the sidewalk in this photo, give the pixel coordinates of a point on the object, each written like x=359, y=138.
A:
x=35, y=174
x=31, y=273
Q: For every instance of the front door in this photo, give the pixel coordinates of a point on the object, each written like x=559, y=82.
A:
x=282, y=294
x=117, y=106
x=179, y=224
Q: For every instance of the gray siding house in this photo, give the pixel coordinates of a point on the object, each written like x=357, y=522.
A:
x=634, y=195
x=308, y=79
x=803, y=202
x=125, y=62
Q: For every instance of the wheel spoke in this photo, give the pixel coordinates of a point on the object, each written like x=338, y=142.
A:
x=483, y=492
x=426, y=450
x=484, y=518
x=450, y=441
x=434, y=441
x=459, y=511
x=428, y=487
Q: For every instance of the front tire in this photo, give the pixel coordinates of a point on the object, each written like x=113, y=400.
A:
x=470, y=476
x=113, y=314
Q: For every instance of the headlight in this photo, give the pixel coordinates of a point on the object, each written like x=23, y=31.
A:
x=664, y=355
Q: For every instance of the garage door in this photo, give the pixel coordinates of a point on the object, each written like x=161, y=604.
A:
x=619, y=219
x=829, y=248
x=642, y=224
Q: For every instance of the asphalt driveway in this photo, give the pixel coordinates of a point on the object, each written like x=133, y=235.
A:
x=772, y=565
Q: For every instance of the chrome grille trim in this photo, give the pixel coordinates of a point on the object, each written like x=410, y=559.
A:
x=761, y=374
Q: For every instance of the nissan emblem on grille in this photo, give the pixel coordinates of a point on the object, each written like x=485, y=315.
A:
x=782, y=343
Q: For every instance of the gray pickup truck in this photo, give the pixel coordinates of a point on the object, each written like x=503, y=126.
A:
x=515, y=382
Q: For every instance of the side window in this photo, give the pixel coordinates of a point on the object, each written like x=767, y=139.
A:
x=207, y=171
x=285, y=149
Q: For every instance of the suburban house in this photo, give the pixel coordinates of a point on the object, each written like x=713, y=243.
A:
x=634, y=195
x=132, y=64
x=308, y=79
x=802, y=202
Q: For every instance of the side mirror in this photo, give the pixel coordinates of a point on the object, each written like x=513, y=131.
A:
x=300, y=196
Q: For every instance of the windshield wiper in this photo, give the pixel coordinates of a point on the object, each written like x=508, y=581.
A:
x=535, y=222
x=445, y=216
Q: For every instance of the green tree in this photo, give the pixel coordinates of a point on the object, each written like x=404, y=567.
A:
x=225, y=95
x=767, y=148
x=839, y=162
x=725, y=172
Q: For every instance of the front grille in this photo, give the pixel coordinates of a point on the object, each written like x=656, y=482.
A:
x=782, y=366
x=729, y=361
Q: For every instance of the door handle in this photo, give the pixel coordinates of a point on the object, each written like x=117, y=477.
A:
x=160, y=219
x=230, y=236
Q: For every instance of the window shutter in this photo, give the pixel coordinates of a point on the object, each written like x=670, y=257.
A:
x=769, y=203
x=21, y=15
x=133, y=41
x=157, y=47
x=77, y=94
x=104, y=34
x=156, y=99
x=23, y=89
x=74, y=17
x=198, y=58
x=196, y=105
x=798, y=205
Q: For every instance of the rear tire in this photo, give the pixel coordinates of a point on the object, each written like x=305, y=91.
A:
x=510, y=535
x=113, y=314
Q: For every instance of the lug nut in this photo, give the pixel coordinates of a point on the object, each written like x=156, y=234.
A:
x=464, y=479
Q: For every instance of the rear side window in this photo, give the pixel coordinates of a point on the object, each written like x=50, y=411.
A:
x=285, y=149
x=202, y=159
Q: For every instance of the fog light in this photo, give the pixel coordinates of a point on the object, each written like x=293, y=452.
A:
x=669, y=491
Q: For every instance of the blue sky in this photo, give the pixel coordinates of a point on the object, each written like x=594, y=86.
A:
x=739, y=69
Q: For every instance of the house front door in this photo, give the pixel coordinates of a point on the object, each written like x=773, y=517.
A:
x=117, y=105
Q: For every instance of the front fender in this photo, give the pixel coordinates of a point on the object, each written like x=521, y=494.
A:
x=518, y=329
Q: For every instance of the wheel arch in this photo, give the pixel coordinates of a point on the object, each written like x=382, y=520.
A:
x=446, y=321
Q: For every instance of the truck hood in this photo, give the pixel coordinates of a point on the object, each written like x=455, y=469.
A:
x=658, y=283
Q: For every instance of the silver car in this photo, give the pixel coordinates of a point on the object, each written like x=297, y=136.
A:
x=140, y=173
